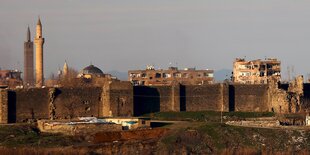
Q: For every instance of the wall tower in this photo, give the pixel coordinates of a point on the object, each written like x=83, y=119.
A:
x=28, y=61
x=39, y=41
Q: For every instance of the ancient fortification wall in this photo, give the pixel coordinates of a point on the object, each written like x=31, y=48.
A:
x=123, y=99
x=205, y=97
x=3, y=106
x=113, y=99
x=148, y=99
x=117, y=99
x=75, y=102
x=249, y=97
x=26, y=104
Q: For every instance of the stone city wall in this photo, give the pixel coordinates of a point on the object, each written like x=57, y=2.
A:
x=28, y=104
x=206, y=97
x=123, y=99
x=117, y=99
x=249, y=98
x=3, y=106
x=75, y=102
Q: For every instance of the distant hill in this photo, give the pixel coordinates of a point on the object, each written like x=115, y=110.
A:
x=120, y=75
x=221, y=75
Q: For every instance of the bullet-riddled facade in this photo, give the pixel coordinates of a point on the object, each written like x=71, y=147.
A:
x=188, y=76
x=255, y=71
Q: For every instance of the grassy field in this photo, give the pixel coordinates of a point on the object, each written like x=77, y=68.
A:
x=214, y=137
x=193, y=133
x=211, y=116
x=202, y=133
x=29, y=135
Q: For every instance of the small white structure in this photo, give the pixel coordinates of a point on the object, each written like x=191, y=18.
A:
x=307, y=120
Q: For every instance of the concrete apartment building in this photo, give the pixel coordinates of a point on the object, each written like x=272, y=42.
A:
x=11, y=78
x=255, y=71
x=188, y=76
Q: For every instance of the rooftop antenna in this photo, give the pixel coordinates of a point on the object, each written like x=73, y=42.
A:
x=288, y=73
x=293, y=71
x=18, y=64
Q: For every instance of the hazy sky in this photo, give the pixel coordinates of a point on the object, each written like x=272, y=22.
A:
x=129, y=34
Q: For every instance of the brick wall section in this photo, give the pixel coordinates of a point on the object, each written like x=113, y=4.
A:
x=204, y=97
x=3, y=106
x=175, y=97
x=250, y=97
x=306, y=97
x=25, y=104
x=146, y=100
x=213, y=97
x=75, y=102
x=165, y=93
x=150, y=99
x=122, y=99
x=225, y=94
x=118, y=99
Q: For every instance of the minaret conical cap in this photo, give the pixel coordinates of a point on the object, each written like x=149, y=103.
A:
x=28, y=34
x=39, y=21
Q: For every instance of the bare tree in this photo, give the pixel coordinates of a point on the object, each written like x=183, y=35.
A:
x=71, y=79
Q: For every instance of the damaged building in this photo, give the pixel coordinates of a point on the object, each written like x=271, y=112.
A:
x=188, y=76
x=11, y=78
x=255, y=71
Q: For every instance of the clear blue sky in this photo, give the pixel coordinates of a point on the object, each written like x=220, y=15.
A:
x=129, y=34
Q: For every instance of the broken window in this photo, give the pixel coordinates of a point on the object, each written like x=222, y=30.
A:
x=269, y=66
x=242, y=66
x=143, y=75
x=269, y=73
x=164, y=75
x=157, y=75
x=208, y=74
x=177, y=74
x=262, y=67
x=135, y=82
x=185, y=75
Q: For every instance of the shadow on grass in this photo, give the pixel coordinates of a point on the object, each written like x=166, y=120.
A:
x=159, y=124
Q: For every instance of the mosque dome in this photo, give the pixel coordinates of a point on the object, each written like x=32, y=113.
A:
x=91, y=69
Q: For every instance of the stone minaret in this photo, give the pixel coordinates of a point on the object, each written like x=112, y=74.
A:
x=65, y=69
x=39, y=41
x=28, y=61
